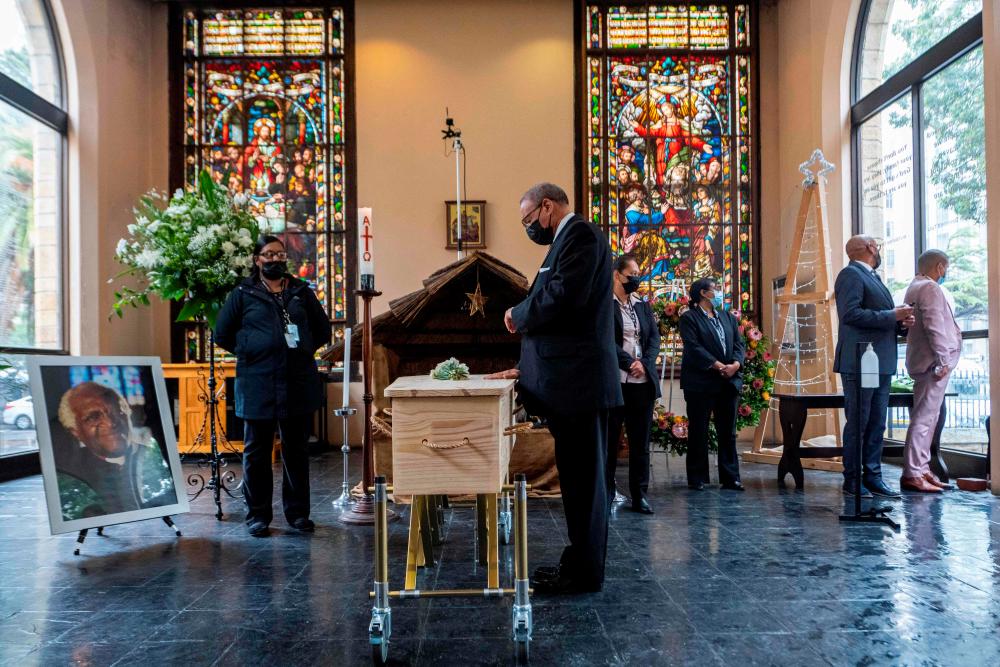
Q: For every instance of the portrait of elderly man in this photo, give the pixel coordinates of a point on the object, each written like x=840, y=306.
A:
x=104, y=468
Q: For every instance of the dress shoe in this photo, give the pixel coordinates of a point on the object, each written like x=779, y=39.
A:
x=933, y=479
x=258, y=529
x=879, y=488
x=642, y=506
x=303, y=524
x=918, y=484
x=734, y=486
x=563, y=585
x=697, y=486
x=849, y=491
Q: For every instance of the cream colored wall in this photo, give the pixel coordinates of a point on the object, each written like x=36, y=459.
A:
x=805, y=65
x=116, y=71
x=504, y=68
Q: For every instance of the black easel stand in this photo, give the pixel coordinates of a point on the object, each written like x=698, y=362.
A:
x=874, y=514
x=100, y=531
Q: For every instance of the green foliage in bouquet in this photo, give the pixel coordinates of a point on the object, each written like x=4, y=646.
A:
x=452, y=369
x=194, y=250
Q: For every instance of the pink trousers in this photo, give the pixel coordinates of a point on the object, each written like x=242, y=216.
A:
x=928, y=392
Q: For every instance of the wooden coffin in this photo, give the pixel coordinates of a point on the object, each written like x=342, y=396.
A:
x=448, y=435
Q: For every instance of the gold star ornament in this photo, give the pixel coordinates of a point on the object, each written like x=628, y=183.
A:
x=477, y=302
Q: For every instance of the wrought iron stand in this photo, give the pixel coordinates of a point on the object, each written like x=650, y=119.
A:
x=218, y=482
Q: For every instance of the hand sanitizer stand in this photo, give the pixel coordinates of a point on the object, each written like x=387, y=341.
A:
x=868, y=363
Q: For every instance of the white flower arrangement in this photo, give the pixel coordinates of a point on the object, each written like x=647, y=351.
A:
x=195, y=249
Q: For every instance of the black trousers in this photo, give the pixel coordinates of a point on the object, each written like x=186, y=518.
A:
x=581, y=450
x=258, y=443
x=637, y=416
x=720, y=407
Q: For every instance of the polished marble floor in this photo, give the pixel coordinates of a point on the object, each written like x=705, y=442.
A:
x=764, y=577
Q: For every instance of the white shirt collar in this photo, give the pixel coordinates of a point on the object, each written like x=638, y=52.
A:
x=629, y=299
x=864, y=265
x=562, y=224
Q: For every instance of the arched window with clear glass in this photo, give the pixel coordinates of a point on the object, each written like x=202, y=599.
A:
x=32, y=268
x=919, y=172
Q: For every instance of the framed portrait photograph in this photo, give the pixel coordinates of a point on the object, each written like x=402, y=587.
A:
x=473, y=224
x=106, y=441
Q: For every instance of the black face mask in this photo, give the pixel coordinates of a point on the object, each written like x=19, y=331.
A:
x=878, y=260
x=631, y=284
x=274, y=270
x=538, y=234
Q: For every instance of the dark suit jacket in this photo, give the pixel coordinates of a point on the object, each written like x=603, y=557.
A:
x=568, y=362
x=649, y=341
x=867, y=314
x=702, y=350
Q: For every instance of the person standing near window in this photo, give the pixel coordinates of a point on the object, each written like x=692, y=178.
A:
x=637, y=340
x=933, y=348
x=274, y=324
x=710, y=364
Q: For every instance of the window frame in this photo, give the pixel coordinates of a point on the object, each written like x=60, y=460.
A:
x=580, y=54
x=908, y=81
x=176, y=178
x=54, y=117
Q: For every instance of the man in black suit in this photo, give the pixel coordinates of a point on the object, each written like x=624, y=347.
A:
x=867, y=315
x=569, y=374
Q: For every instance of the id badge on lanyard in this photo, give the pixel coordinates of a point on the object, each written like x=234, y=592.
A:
x=291, y=330
x=292, y=334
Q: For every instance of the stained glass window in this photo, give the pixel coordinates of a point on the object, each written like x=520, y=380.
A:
x=669, y=148
x=264, y=112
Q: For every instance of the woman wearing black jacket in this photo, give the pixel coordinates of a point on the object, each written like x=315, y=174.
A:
x=274, y=324
x=710, y=377
x=637, y=341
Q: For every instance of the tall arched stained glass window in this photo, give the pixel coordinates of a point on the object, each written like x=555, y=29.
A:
x=265, y=111
x=667, y=144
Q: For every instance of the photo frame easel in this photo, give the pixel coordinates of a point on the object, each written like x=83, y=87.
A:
x=106, y=442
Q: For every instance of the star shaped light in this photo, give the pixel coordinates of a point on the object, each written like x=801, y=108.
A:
x=477, y=302
x=814, y=173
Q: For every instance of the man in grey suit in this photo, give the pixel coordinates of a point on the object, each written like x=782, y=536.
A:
x=867, y=315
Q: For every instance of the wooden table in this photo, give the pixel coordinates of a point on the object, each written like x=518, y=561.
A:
x=792, y=412
x=192, y=393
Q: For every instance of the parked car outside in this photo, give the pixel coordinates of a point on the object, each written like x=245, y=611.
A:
x=20, y=413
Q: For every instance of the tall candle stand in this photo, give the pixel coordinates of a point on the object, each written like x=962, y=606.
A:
x=345, y=413
x=362, y=512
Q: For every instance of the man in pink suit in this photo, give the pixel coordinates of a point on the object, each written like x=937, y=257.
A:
x=933, y=347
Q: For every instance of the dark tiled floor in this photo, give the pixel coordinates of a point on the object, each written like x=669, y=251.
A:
x=764, y=577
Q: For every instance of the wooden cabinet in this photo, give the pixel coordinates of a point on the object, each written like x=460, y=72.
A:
x=448, y=435
x=189, y=410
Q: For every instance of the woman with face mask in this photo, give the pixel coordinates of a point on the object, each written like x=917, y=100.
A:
x=274, y=324
x=710, y=378
x=637, y=340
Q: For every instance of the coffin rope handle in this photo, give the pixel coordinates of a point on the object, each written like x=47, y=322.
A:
x=454, y=445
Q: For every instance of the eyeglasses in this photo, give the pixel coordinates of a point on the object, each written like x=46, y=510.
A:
x=274, y=255
x=524, y=220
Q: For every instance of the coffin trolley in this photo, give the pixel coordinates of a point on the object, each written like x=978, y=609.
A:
x=452, y=437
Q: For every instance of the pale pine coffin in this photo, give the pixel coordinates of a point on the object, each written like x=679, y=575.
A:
x=448, y=435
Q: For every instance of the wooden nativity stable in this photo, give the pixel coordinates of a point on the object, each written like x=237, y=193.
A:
x=442, y=320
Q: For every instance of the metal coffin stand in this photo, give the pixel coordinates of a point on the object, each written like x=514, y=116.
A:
x=452, y=437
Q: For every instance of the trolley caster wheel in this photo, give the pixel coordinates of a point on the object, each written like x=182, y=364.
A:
x=521, y=652
x=380, y=653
